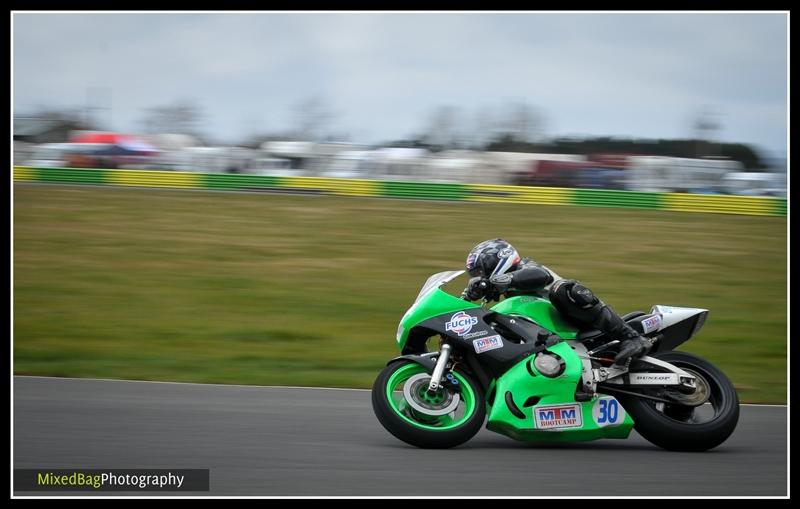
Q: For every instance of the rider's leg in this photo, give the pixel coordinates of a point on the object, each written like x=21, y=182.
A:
x=581, y=306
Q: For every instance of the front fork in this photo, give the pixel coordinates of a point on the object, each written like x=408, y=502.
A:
x=438, y=370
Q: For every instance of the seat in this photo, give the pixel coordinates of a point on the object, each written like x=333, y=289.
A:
x=634, y=319
x=632, y=315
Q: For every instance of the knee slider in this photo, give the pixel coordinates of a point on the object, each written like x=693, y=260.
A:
x=581, y=296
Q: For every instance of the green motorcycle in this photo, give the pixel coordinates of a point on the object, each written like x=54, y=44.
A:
x=538, y=378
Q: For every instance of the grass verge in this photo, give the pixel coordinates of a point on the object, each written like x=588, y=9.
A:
x=307, y=290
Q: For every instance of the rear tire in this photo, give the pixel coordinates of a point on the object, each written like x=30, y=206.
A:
x=671, y=427
x=441, y=432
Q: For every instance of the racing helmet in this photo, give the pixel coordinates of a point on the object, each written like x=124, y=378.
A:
x=492, y=258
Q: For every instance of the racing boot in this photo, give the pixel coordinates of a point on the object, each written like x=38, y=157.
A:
x=630, y=347
x=631, y=343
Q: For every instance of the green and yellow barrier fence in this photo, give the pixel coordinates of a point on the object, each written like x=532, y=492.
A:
x=721, y=204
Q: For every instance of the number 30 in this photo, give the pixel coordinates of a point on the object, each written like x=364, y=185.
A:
x=609, y=411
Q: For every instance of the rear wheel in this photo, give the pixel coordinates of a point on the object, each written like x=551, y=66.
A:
x=690, y=422
x=447, y=418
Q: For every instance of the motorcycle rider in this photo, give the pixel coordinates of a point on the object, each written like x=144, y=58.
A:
x=497, y=269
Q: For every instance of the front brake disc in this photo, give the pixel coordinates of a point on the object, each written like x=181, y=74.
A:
x=416, y=394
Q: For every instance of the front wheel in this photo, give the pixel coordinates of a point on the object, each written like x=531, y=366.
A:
x=704, y=420
x=445, y=419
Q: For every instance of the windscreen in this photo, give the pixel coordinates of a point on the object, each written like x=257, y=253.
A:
x=437, y=280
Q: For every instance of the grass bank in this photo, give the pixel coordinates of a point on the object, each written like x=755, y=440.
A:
x=307, y=290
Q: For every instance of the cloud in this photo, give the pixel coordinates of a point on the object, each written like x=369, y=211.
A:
x=635, y=74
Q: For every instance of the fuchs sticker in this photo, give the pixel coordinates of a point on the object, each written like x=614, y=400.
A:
x=608, y=412
x=558, y=417
x=651, y=324
x=485, y=344
x=460, y=323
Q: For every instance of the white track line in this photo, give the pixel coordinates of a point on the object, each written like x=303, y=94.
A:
x=253, y=386
x=192, y=383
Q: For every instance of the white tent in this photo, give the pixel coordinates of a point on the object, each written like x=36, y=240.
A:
x=679, y=174
x=394, y=163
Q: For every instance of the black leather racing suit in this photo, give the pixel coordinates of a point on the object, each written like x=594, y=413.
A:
x=573, y=300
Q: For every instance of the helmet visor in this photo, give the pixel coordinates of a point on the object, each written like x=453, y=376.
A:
x=474, y=267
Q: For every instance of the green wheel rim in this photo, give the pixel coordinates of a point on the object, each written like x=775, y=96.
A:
x=445, y=422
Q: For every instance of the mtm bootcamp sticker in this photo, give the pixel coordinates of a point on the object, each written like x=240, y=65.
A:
x=558, y=417
x=485, y=344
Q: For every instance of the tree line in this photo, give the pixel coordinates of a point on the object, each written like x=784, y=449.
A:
x=691, y=148
x=513, y=127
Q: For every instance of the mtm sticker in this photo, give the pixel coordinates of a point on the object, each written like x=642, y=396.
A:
x=558, y=417
x=485, y=344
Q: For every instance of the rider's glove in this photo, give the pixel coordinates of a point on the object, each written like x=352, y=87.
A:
x=476, y=288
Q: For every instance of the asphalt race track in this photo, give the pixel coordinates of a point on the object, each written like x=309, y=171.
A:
x=277, y=441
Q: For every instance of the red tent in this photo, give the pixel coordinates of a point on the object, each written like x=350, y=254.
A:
x=100, y=137
x=127, y=142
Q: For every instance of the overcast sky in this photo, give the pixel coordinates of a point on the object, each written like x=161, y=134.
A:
x=639, y=75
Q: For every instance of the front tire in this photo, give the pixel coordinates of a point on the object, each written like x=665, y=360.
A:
x=406, y=421
x=683, y=428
